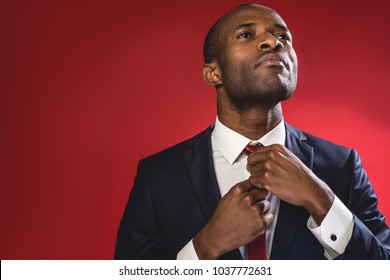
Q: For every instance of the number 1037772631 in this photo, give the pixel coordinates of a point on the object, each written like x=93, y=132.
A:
x=242, y=270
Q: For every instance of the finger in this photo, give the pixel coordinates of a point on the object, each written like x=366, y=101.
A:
x=264, y=154
x=241, y=187
x=275, y=152
x=277, y=147
x=257, y=194
x=266, y=165
x=263, y=179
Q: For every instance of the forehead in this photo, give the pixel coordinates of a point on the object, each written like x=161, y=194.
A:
x=261, y=15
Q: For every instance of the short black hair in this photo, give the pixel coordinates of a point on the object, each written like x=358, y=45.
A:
x=212, y=45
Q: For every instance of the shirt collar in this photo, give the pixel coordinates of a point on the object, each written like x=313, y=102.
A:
x=231, y=143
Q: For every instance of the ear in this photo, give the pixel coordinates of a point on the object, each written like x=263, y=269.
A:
x=212, y=74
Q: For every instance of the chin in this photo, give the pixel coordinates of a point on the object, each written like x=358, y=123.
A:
x=284, y=91
x=278, y=93
x=286, y=96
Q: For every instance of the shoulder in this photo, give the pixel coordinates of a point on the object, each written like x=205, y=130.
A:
x=335, y=164
x=323, y=149
x=173, y=154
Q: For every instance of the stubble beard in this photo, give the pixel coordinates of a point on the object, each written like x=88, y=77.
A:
x=266, y=91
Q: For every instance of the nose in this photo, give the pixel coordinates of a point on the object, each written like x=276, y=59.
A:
x=269, y=42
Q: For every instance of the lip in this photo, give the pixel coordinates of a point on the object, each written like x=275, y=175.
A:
x=272, y=59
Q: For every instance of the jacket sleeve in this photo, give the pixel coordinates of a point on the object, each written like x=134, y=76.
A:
x=371, y=236
x=138, y=235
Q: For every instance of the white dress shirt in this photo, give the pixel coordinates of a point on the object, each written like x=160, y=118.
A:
x=230, y=168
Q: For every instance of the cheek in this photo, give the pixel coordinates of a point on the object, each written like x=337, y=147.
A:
x=235, y=60
x=294, y=68
x=294, y=59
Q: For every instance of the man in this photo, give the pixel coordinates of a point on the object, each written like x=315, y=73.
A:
x=206, y=198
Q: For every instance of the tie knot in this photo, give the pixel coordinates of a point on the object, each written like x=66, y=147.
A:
x=251, y=147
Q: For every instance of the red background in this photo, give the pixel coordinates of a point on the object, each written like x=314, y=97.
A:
x=90, y=87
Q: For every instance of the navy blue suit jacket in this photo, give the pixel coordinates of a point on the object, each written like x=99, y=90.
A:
x=175, y=193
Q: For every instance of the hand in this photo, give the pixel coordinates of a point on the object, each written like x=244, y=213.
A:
x=279, y=171
x=239, y=218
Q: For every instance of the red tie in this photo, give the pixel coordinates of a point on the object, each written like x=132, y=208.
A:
x=256, y=248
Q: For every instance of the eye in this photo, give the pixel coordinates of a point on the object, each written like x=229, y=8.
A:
x=244, y=35
x=284, y=37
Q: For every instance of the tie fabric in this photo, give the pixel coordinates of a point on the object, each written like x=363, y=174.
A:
x=256, y=248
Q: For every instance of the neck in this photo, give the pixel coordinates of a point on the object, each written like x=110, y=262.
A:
x=252, y=123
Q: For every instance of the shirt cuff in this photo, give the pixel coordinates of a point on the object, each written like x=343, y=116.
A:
x=188, y=252
x=335, y=230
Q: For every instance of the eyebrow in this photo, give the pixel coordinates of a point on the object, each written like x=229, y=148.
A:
x=242, y=25
x=281, y=26
x=252, y=24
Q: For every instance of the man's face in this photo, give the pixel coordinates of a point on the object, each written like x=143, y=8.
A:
x=258, y=62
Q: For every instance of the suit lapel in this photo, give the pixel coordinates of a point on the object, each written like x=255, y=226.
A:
x=291, y=218
x=200, y=168
x=199, y=164
x=296, y=142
